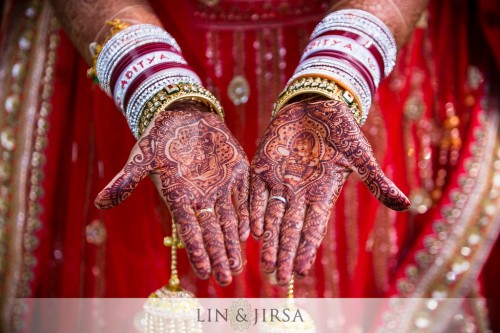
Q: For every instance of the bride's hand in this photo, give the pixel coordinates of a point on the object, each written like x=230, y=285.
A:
x=307, y=153
x=200, y=170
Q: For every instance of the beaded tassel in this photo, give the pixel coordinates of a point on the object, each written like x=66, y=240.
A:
x=171, y=308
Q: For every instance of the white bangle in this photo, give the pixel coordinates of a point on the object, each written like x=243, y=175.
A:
x=366, y=25
x=150, y=87
x=124, y=42
x=340, y=72
x=138, y=66
x=349, y=47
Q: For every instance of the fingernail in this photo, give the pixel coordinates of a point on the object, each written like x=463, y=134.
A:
x=101, y=203
x=401, y=204
x=223, y=278
x=267, y=266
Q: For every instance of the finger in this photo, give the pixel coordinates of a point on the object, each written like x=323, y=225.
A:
x=258, y=205
x=290, y=231
x=381, y=186
x=124, y=183
x=361, y=159
x=241, y=203
x=190, y=233
x=214, y=244
x=272, y=220
x=315, y=226
x=228, y=222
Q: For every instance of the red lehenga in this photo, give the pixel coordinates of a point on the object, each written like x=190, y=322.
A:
x=433, y=128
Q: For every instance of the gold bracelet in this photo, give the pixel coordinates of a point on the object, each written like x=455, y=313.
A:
x=321, y=86
x=116, y=26
x=173, y=93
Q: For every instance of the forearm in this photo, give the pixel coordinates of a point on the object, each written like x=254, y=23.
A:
x=141, y=66
x=400, y=16
x=85, y=21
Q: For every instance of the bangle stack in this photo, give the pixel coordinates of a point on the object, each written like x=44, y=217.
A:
x=321, y=86
x=173, y=93
x=138, y=62
x=353, y=49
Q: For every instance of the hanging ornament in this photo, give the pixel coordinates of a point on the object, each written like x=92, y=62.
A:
x=297, y=320
x=171, y=308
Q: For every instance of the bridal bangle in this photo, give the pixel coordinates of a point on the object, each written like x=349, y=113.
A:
x=173, y=93
x=321, y=86
x=353, y=51
x=95, y=48
x=142, y=68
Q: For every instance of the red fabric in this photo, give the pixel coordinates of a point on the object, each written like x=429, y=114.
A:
x=488, y=14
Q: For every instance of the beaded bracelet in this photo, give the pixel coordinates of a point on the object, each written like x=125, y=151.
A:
x=173, y=93
x=344, y=75
x=321, y=86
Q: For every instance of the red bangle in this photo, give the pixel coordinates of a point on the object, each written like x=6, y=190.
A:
x=363, y=41
x=148, y=72
x=352, y=61
x=136, y=53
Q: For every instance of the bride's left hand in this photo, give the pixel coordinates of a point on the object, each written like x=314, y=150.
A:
x=307, y=153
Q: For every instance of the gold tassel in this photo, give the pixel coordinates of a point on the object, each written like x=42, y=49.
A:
x=171, y=308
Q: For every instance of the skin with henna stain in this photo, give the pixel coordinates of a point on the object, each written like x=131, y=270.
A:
x=307, y=153
x=200, y=170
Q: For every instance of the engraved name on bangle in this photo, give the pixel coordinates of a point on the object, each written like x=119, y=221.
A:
x=124, y=42
x=366, y=25
x=348, y=46
x=139, y=66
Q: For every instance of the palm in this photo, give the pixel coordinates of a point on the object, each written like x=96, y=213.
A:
x=305, y=157
x=198, y=167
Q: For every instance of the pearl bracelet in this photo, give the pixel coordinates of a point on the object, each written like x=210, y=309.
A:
x=340, y=72
x=149, y=88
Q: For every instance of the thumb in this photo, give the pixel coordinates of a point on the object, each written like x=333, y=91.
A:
x=124, y=183
x=363, y=162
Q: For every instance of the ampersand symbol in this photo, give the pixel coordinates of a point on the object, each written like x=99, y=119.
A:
x=241, y=317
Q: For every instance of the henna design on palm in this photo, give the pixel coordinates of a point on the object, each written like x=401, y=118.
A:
x=306, y=155
x=202, y=173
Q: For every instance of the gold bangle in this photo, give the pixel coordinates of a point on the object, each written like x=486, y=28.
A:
x=116, y=26
x=173, y=93
x=321, y=86
x=337, y=82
